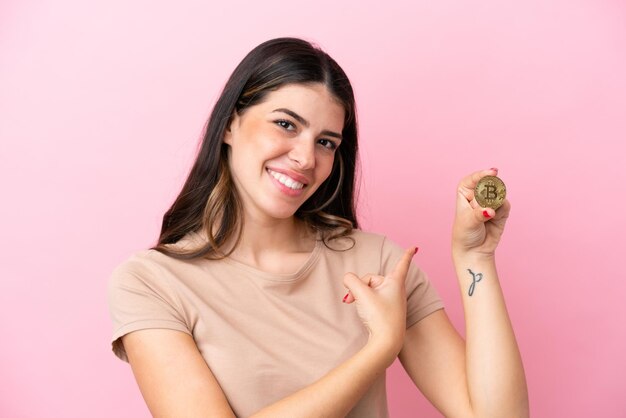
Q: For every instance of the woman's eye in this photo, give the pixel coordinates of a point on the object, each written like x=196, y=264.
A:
x=285, y=124
x=327, y=143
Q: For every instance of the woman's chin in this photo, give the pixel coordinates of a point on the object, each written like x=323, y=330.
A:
x=279, y=212
x=283, y=214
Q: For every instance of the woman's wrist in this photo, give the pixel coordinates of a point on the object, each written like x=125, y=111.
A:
x=464, y=256
x=384, y=348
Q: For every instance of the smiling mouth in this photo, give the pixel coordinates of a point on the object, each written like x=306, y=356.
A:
x=286, y=180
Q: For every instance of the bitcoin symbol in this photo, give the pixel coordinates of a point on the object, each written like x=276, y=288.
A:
x=490, y=192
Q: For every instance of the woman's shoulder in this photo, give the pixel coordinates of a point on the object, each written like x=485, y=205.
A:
x=141, y=264
x=153, y=258
x=151, y=264
x=139, y=259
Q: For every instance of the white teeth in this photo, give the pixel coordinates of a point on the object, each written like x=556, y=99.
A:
x=287, y=181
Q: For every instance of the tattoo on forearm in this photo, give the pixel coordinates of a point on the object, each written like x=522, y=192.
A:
x=476, y=277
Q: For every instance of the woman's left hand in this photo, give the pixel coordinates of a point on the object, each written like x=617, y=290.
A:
x=477, y=230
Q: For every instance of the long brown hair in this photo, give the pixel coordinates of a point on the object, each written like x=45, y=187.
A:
x=209, y=201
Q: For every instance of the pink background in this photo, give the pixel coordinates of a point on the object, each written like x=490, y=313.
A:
x=102, y=104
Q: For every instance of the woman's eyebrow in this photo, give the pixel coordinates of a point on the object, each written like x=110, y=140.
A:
x=306, y=122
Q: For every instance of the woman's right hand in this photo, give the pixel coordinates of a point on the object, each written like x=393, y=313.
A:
x=381, y=304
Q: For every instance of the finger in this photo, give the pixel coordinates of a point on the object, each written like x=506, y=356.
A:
x=483, y=214
x=402, y=266
x=371, y=280
x=468, y=183
x=356, y=288
x=502, y=213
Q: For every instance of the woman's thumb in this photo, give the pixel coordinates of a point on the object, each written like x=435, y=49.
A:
x=358, y=289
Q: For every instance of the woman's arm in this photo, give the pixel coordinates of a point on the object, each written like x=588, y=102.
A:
x=495, y=374
x=335, y=394
x=172, y=375
x=175, y=381
x=484, y=376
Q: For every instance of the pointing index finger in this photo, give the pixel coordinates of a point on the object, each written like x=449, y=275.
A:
x=402, y=266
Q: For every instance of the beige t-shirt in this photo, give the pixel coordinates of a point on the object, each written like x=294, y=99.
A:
x=264, y=336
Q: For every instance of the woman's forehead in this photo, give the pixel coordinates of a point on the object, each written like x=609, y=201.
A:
x=308, y=100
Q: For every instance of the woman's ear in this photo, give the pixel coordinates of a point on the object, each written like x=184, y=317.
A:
x=232, y=125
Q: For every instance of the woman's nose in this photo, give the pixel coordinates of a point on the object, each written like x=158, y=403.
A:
x=303, y=154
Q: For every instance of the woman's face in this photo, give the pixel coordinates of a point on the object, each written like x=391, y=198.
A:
x=282, y=150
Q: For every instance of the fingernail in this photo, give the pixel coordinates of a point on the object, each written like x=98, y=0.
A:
x=493, y=168
x=416, y=248
x=486, y=214
x=346, y=297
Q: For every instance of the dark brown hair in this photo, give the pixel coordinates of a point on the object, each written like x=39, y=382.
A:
x=209, y=201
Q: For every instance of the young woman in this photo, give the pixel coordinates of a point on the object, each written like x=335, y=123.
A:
x=263, y=298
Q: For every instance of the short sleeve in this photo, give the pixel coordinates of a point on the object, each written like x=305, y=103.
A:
x=422, y=297
x=140, y=297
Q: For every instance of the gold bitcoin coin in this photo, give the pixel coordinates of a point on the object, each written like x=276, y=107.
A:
x=490, y=192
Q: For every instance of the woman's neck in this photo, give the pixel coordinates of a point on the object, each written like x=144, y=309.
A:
x=264, y=241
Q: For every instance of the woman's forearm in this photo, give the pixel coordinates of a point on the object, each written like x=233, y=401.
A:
x=336, y=393
x=495, y=374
